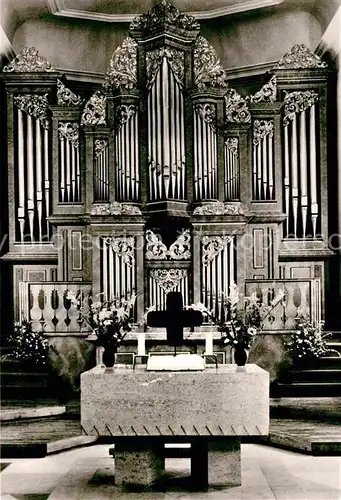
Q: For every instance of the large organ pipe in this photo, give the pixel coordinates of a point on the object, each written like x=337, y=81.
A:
x=313, y=176
x=303, y=170
x=271, y=172
x=105, y=270
x=46, y=172
x=21, y=175
x=264, y=167
x=68, y=170
x=137, y=176
x=62, y=168
x=286, y=176
x=39, y=192
x=30, y=176
x=73, y=172
x=259, y=171
x=294, y=173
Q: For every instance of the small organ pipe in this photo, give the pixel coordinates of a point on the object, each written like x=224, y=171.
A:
x=264, y=166
x=313, y=174
x=294, y=173
x=39, y=192
x=21, y=176
x=271, y=172
x=286, y=176
x=30, y=176
x=303, y=170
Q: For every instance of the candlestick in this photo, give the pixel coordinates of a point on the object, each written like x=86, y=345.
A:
x=141, y=344
x=209, y=343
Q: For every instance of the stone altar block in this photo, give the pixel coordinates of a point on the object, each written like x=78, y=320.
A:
x=209, y=409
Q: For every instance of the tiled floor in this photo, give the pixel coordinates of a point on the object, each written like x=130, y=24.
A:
x=87, y=474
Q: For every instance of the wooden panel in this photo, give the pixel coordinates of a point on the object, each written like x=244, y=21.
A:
x=301, y=272
x=258, y=248
x=76, y=250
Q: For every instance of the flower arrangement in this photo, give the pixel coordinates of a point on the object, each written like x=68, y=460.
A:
x=110, y=320
x=308, y=341
x=243, y=317
x=29, y=347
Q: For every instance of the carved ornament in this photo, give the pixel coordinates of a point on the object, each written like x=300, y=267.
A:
x=236, y=109
x=122, y=70
x=300, y=57
x=168, y=279
x=296, y=102
x=218, y=208
x=207, y=112
x=160, y=16
x=70, y=132
x=267, y=93
x=28, y=61
x=124, y=247
x=94, y=110
x=34, y=105
x=208, y=70
x=124, y=113
x=175, y=58
x=157, y=250
x=262, y=128
x=66, y=96
x=100, y=146
x=231, y=144
x=115, y=208
x=212, y=246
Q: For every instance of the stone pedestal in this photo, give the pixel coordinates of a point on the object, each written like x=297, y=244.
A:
x=138, y=462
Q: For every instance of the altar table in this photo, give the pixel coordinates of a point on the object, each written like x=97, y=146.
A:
x=209, y=409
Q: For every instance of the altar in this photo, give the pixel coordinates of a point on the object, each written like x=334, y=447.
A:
x=142, y=410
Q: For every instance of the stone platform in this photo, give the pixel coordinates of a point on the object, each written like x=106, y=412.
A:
x=141, y=411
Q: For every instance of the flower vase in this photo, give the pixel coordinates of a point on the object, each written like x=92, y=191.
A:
x=240, y=355
x=108, y=357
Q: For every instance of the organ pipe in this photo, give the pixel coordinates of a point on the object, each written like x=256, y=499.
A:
x=313, y=170
x=21, y=175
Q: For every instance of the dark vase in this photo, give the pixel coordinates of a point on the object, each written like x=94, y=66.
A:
x=108, y=357
x=240, y=355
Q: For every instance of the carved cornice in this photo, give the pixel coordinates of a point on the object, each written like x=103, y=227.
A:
x=34, y=105
x=157, y=250
x=300, y=57
x=66, y=96
x=94, y=110
x=114, y=208
x=124, y=113
x=212, y=246
x=208, y=72
x=70, y=132
x=262, y=128
x=124, y=247
x=175, y=58
x=207, y=113
x=160, y=17
x=236, y=109
x=218, y=208
x=296, y=102
x=231, y=144
x=29, y=61
x=100, y=145
x=267, y=93
x=122, y=71
x=168, y=279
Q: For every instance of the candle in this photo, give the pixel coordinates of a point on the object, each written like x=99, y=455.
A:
x=209, y=343
x=141, y=344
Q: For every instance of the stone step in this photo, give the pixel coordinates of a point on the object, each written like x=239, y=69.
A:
x=306, y=389
x=325, y=363
x=317, y=409
x=21, y=378
x=332, y=375
x=335, y=346
x=22, y=391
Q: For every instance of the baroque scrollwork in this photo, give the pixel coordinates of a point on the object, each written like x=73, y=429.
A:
x=231, y=144
x=207, y=113
x=262, y=128
x=115, y=208
x=218, y=208
x=212, y=246
x=208, y=70
x=296, y=102
x=162, y=14
x=100, y=145
x=157, y=250
x=70, y=132
x=124, y=113
x=267, y=93
x=34, y=105
x=66, y=96
x=300, y=57
x=175, y=58
x=28, y=61
x=236, y=109
x=94, y=110
x=124, y=247
x=168, y=279
x=122, y=70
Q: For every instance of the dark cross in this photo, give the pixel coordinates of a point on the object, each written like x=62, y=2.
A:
x=175, y=318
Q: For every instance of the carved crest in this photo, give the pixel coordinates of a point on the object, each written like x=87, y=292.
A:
x=100, y=145
x=124, y=247
x=157, y=250
x=94, y=110
x=115, y=208
x=218, y=208
x=34, y=105
x=28, y=61
x=296, y=102
x=208, y=70
x=122, y=70
x=159, y=17
x=212, y=246
x=267, y=93
x=70, y=132
x=66, y=96
x=231, y=144
x=207, y=113
x=175, y=58
x=300, y=57
x=124, y=113
x=168, y=279
x=262, y=128
x=236, y=109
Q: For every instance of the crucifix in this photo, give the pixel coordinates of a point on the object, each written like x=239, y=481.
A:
x=174, y=318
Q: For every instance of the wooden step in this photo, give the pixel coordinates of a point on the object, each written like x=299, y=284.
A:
x=306, y=389
x=329, y=375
